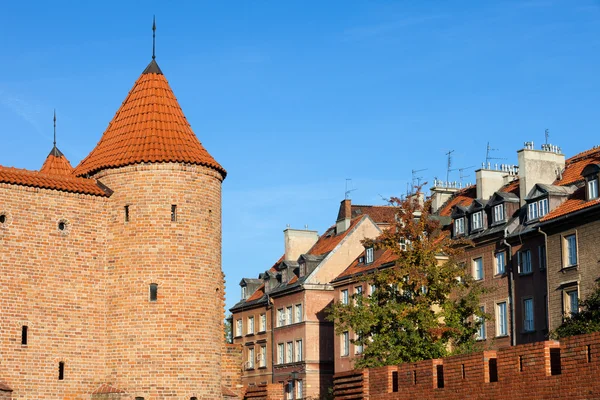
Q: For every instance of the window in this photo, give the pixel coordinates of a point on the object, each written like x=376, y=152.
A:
x=344, y=298
x=250, y=327
x=501, y=319
x=280, y=317
x=262, y=357
x=478, y=269
x=299, y=391
x=542, y=207
x=592, y=188
x=369, y=254
x=499, y=213
x=532, y=211
x=289, y=355
x=126, y=209
x=528, y=315
x=542, y=256
x=280, y=353
x=24, y=335
x=238, y=328
x=289, y=390
x=500, y=263
x=244, y=289
x=345, y=343
x=477, y=220
x=524, y=260
x=2, y=218
x=358, y=290
x=298, y=312
x=402, y=244
x=570, y=302
x=358, y=348
x=251, y=358
x=61, y=370
x=173, y=213
x=570, y=250
x=480, y=335
x=459, y=226
x=298, y=350
x=289, y=315
x=153, y=291
x=537, y=209
x=263, y=322
x=372, y=288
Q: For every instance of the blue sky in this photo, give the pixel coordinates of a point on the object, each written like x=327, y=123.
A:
x=293, y=97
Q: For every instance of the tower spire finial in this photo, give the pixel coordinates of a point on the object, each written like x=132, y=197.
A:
x=153, y=37
x=55, y=127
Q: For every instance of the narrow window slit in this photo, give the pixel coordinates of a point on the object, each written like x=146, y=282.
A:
x=440, y=376
x=61, y=370
x=126, y=208
x=520, y=363
x=395, y=381
x=2, y=218
x=153, y=291
x=463, y=370
x=555, y=367
x=173, y=213
x=493, y=369
x=24, y=335
x=414, y=376
x=588, y=353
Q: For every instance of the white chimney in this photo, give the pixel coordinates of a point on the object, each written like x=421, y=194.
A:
x=440, y=193
x=298, y=242
x=538, y=166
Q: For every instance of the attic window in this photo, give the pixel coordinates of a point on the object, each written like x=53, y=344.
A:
x=499, y=213
x=592, y=189
x=369, y=255
x=537, y=209
x=477, y=220
x=244, y=292
x=459, y=226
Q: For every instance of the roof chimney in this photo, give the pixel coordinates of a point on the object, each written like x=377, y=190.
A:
x=538, y=166
x=440, y=193
x=344, y=216
x=298, y=242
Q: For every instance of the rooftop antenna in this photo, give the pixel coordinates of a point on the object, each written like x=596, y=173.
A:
x=153, y=37
x=488, y=157
x=462, y=175
x=449, y=154
x=348, y=191
x=55, y=128
x=547, y=134
x=417, y=178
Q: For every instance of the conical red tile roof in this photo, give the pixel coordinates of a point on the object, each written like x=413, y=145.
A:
x=148, y=127
x=57, y=164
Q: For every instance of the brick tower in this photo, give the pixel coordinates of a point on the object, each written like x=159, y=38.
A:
x=164, y=306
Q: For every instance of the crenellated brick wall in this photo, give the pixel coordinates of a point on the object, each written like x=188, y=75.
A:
x=542, y=370
x=264, y=392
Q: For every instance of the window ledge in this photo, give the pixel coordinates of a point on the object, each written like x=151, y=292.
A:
x=249, y=334
x=502, y=336
x=481, y=339
x=265, y=367
x=501, y=275
x=569, y=268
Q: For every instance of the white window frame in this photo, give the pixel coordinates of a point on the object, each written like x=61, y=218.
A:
x=345, y=344
x=499, y=212
x=570, y=254
x=477, y=220
x=298, y=353
x=239, y=328
x=289, y=316
x=532, y=211
x=244, y=290
x=372, y=288
x=476, y=271
x=369, y=255
x=289, y=352
x=568, y=307
x=524, y=261
x=250, y=327
x=500, y=261
x=358, y=348
x=262, y=357
x=502, y=320
x=280, y=317
x=480, y=335
x=528, y=315
x=459, y=226
x=358, y=291
x=280, y=353
x=344, y=296
x=251, y=357
x=543, y=207
x=298, y=313
x=299, y=389
x=592, y=188
x=263, y=323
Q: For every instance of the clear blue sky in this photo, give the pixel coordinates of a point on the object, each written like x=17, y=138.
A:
x=293, y=97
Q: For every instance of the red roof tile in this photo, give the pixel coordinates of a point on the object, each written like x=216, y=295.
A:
x=379, y=214
x=574, y=203
x=105, y=388
x=329, y=240
x=148, y=127
x=575, y=165
x=463, y=197
x=511, y=187
x=257, y=294
x=360, y=267
x=57, y=164
x=40, y=180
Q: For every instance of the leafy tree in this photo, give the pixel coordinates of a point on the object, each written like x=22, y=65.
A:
x=423, y=306
x=228, y=329
x=586, y=321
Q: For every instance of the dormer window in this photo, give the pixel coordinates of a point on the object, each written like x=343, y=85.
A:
x=244, y=292
x=499, y=213
x=369, y=255
x=592, y=188
x=537, y=209
x=459, y=226
x=477, y=220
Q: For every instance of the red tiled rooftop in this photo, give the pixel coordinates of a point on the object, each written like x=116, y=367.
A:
x=330, y=240
x=574, y=203
x=23, y=177
x=379, y=214
x=148, y=127
x=358, y=267
x=257, y=294
x=575, y=165
x=57, y=164
x=463, y=197
x=512, y=187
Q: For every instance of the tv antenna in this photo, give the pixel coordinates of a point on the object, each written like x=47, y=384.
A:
x=449, y=154
x=461, y=173
x=547, y=134
x=416, y=178
x=488, y=157
x=348, y=191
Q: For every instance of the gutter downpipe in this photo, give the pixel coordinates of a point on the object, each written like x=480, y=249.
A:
x=511, y=290
x=547, y=276
x=269, y=305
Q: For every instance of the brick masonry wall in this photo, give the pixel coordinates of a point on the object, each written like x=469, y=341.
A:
x=231, y=367
x=523, y=372
x=265, y=392
x=52, y=282
x=169, y=348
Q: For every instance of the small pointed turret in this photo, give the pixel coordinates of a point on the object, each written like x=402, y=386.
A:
x=56, y=163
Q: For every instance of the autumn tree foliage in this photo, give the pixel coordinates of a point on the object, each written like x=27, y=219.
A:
x=587, y=320
x=424, y=305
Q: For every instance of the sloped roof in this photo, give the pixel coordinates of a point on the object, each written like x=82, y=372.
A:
x=463, y=197
x=575, y=202
x=23, y=177
x=57, y=164
x=379, y=214
x=511, y=187
x=357, y=267
x=148, y=127
x=329, y=240
x=575, y=165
